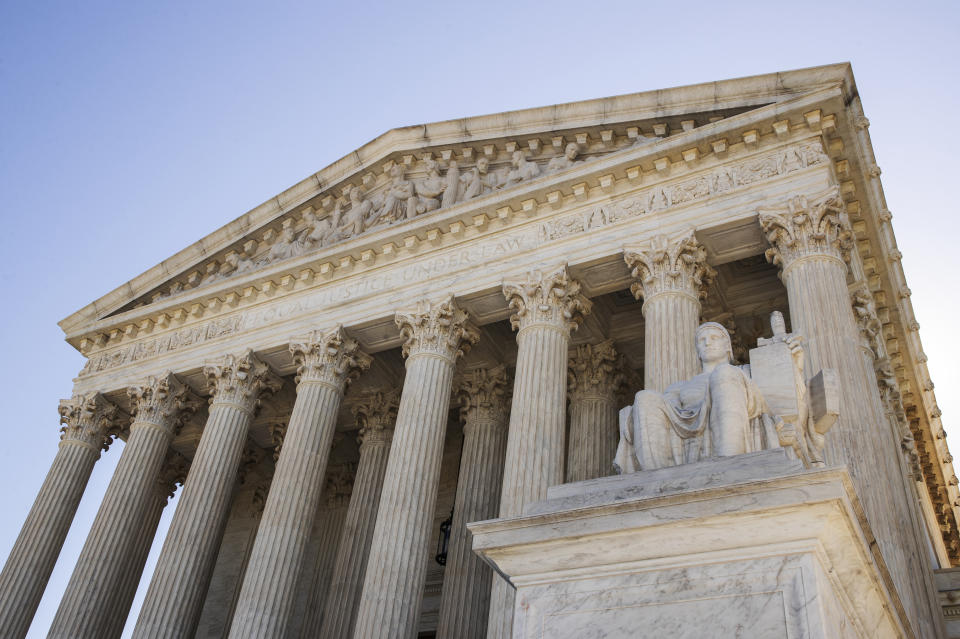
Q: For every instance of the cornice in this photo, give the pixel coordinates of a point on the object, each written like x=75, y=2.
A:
x=651, y=105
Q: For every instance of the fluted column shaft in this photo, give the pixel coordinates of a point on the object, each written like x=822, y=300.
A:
x=28, y=568
x=594, y=377
x=378, y=414
x=810, y=239
x=465, y=598
x=267, y=597
x=394, y=581
x=671, y=275
x=547, y=308
x=175, y=596
x=105, y=559
x=123, y=596
x=328, y=531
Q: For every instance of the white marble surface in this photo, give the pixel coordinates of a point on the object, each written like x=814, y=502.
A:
x=749, y=546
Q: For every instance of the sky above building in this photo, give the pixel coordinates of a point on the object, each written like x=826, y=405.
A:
x=130, y=130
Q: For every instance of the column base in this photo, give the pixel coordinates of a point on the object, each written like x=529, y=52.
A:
x=751, y=545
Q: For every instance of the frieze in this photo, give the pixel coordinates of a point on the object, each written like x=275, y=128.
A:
x=660, y=197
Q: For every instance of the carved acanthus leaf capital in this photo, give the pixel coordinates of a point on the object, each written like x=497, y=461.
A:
x=805, y=227
x=483, y=394
x=339, y=485
x=173, y=473
x=241, y=380
x=551, y=298
x=163, y=401
x=376, y=415
x=330, y=356
x=90, y=419
x=437, y=328
x=669, y=265
x=865, y=312
x=596, y=370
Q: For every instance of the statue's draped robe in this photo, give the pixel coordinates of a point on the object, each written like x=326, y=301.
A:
x=682, y=425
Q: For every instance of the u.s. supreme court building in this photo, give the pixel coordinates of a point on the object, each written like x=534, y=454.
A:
x=441, y=329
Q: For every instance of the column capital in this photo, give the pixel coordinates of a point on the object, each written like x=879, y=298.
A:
x=549, y=298
x=595, y=370
x=436, y=328
x=172, y=474
x=802, y=227
x=339, y=485
x=669, y=265
x=90, y=419
x=376, y=414
x=240, y=380
x=163, y=401
x=330, y=357
x=482, y=393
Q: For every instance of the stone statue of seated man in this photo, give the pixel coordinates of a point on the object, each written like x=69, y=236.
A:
x=723, y=410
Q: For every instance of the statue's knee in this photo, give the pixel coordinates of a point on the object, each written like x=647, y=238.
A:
x=647, y=398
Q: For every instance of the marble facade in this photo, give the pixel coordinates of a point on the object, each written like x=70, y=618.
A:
x=443, y=325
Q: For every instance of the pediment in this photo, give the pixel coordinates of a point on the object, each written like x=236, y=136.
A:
x=414, y=172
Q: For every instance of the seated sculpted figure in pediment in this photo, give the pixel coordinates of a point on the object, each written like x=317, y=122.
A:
x=723, y=411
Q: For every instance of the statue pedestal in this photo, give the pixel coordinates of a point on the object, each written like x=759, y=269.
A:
x=745, y=546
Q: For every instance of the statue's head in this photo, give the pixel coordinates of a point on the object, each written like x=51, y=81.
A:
x=572, y=150
x=483, y=163
x=713, y=344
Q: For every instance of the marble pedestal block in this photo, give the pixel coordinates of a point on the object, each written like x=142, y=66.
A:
x=746, y=546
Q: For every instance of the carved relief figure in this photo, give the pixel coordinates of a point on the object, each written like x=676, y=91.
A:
x=479, y=180
x=566, y=160
x=400, y=200
x=522, y=169
x=430, y=188
x=320, y=232
x=283, y=247
x=358, y=217
x=451, y=189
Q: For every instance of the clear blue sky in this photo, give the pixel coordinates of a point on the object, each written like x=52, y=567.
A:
x=128, y=131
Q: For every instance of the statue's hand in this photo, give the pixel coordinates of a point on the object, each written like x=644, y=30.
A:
x=795, y=344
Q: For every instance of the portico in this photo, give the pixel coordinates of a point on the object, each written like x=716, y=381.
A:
x=378, y=348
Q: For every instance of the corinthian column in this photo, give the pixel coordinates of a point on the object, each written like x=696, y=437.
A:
x=91, y=422
x=174, y=472
x=377, y=414
x=594, y=377
x=84, y=611
x=175, y=597
x=326, y=363
x=547, y=308
x=671, y=276
x=465, y=599
x=434, y=336
x=810, y=241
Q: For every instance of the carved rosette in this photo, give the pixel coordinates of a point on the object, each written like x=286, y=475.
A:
x=595, y=371
x=240, y=380
x=436, y=328
x=482, y=393
x=163, y=401
x=550, y=299
x=805, y=227
x=376, y=414
x=339, y=485
x=328, y=357
x=670, y=265
x=90, y=419
x=871, y=329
